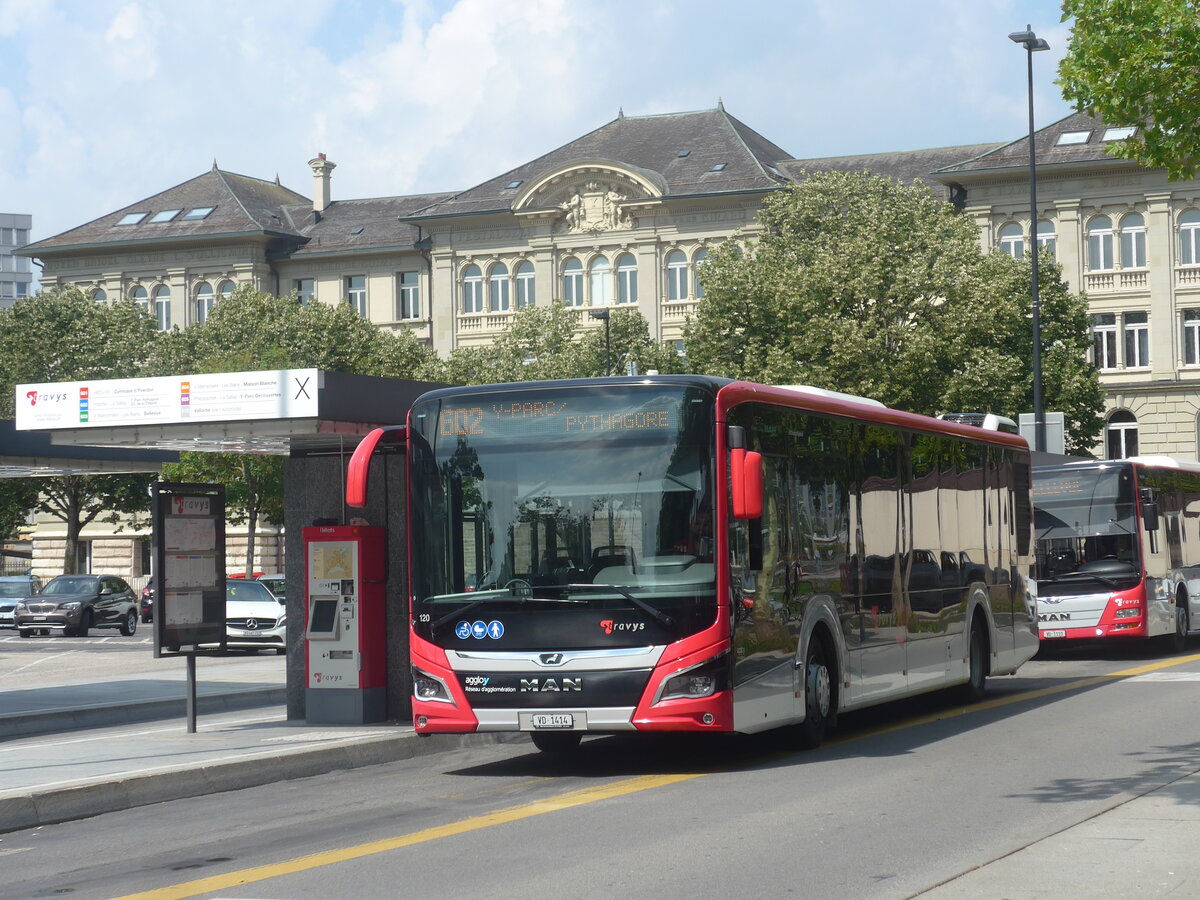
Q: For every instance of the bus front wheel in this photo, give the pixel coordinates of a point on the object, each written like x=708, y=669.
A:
x=818, y=696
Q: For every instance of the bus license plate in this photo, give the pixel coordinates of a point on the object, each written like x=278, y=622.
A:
x=1054, y=634
x=554, y=720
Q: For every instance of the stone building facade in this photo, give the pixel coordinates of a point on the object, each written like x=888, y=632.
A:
x=625, y=215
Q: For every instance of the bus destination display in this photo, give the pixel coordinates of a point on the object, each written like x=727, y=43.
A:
x=567, y=417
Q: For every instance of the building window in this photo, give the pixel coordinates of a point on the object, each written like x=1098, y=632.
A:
x=1133, y=242
x=498, y=288
x=677, y=276
x=356, y=293
x=1104, y=340
x=305, y=289
x=472, y=290
x=627, y=278
x=99, y=295
x=600, y=281
x=82, y=562
x=139, y=296
x=697, y=269
x=1046, y=237
x=572, y=282
x=162, y=307
x=204, y=302
x=1189, y=238
x=525, y=285
x=1122, y=435
x=1012, y=240
x=1191, y=337
x=1137, y=340
x=1099, y=244
x=408, y=294
x=226, y=289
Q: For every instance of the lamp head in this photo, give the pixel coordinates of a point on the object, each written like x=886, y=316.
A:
x=599, y=314
x=1028, y=40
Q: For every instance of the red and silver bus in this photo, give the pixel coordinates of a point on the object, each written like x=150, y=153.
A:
x=1118, y=549
x=685, y=553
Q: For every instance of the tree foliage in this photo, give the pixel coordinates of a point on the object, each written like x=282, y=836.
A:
x=1137, y=62
x=61, y=335
x=863, y=285
x=539, y=343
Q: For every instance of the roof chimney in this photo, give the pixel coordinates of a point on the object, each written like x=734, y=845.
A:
x=322, y=169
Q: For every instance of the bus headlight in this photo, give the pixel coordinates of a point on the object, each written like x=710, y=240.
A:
x=430, y=687
x=701, y=680
x=1128, y=612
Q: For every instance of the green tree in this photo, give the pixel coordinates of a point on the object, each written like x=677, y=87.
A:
x=539, y=343
x=1137, y=62
x=17, y=497
x=61, y=335
x=254, y=331
x=863, y=285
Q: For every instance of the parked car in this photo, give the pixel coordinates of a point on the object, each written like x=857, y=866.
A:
x=75, y=604
x=146, y=604
x=14, y=588
x=254, y=617
x=276, y=584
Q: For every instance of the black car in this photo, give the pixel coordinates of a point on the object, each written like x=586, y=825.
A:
x=147, y=603
x=74, y=604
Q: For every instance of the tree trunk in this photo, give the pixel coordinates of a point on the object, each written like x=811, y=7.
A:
x=71, y=517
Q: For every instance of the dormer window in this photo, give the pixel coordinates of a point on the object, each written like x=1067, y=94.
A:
x=1119, y=134
x=1073, y=137
x=132, y=218
x=200, y=212
x=164, y=215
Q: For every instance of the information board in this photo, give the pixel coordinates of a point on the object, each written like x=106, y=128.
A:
x=189, y=571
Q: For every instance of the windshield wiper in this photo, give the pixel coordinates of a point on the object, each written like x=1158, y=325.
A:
x=479, y=598
x=1083, y=576
x=658, y=614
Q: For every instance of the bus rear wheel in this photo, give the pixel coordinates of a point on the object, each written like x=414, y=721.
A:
x=818, y=697
x=1177, y=640
x=556, y=741
x=973, y=690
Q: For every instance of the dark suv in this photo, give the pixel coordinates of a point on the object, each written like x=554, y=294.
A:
x=74, y=604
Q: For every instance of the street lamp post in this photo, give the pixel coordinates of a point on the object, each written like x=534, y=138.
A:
x=603, y=314
x=1032, y=42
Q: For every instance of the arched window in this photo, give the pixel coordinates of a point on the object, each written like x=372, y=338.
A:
x=572, y=282
x=525, y=285
x=697, y=269
x=498, y=288
x=1189, y=238
x=99, y=295
x=1046, y=237
x=1099, y=244
x=204, y=302
x=1122, y=435
x=1012, y=240
x=600, y=281
x=1133, y=242
x=472, y=290
x=138, y=295
x=677, y=276
x=627, y=278
x=162, y=307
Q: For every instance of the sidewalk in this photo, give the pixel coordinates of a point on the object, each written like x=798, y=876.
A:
x=75, y=750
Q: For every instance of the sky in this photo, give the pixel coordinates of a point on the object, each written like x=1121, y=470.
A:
x=106, y=102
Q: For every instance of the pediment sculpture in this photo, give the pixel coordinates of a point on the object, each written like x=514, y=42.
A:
x=593, y=208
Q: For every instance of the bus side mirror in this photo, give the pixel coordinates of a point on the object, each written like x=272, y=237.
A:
x=360, y=462
x=1150, y=516
x=746, y=474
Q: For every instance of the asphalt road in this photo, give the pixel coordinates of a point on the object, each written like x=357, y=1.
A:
x=903, y=799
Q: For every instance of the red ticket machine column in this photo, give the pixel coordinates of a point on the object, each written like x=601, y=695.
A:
x=346, y=647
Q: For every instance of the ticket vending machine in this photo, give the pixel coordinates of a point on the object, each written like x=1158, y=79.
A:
x=346, y=635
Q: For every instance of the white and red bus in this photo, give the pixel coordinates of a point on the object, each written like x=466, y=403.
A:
x=1118, y=549
x=685, y=553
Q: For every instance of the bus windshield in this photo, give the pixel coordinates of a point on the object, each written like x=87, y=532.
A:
x=556, y=516
x=1087, y=528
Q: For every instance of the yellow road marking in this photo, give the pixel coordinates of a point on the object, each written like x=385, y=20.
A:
x=579, y=798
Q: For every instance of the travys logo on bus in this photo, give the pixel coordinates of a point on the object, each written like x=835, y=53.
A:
x=610, y=626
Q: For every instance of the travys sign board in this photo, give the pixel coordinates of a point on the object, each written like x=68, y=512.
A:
x=168, y=400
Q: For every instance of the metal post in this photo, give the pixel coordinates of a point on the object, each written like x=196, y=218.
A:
x=191, y=693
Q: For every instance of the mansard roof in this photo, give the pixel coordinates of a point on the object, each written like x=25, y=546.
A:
x=240, y=206
x=907, y=166
x=360, y=226
x=1048, y=151
x=676, y=150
